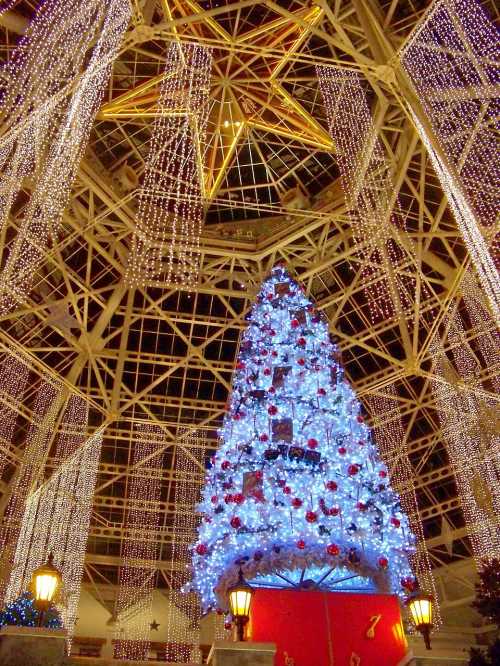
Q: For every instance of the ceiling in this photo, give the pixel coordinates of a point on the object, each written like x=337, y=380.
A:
x=167, y=356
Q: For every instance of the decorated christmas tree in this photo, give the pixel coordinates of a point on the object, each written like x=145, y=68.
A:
x=22, y=613
x=297, y=493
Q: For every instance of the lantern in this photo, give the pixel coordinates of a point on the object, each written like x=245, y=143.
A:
x=420, y=606
x=45, y=583
x=240, y=597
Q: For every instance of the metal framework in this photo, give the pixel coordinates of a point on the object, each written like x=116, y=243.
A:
x=156, y=354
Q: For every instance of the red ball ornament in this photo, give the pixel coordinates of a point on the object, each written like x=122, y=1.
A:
x=272, y=389
x=312, y=443
x=264, y=352
x=361, y=506
x=272, y=332
x=272, y=410
x=408, y=584
x=321, y=391
x=225, y=464
x=383, y=562
x=301, y=544
x=301, y=361
x=301, y=342
x=382, y=474
x=334, y=511
x=274, y=353
x=294, y=323
x=258, y=475
x=352, y=470
x=311, y=517
x=269, y=297
x=263, y=437
x=201, y=549
x=287, y=490
x=235, y=522
x=333, y=549
x=395, y=522
x=267, y=372
x=296, y=502
x=331, y=485
x=240, y=365
x=342, y=450
x=360, y=419
x=214, y=499
x=239, y=498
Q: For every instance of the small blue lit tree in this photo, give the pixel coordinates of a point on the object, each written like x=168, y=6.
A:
x=22, y=613
x=297, y=494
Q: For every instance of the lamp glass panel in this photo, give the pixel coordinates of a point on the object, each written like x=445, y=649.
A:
x=45, y=586
x=421, y=611
x=240, y=602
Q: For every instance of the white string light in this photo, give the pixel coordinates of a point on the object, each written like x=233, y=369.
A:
x=72, y=433
x=13, y=379
x=170, y=215
x=56, y=520
x=470, y=426
x=452, y=61
x=183, y=625
x=485, y=334
x=392, y=444
x=7, y=5
x=51, y=145
x=134, y=601
x=30, y=471
x=467, y=223
x=375, y=212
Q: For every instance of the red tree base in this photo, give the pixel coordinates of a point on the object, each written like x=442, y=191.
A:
x=329, y=629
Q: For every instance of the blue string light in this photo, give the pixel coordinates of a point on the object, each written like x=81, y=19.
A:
x=22, y=613
x=297, y=482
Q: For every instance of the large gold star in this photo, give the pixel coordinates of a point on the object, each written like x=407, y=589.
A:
x=246, y=91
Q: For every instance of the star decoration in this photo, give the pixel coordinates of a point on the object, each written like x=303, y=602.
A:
x=154, y=625
x=247, y=89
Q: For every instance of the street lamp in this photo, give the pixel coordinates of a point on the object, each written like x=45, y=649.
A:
x=420, y=606
x=240, y=597
x=45, y=583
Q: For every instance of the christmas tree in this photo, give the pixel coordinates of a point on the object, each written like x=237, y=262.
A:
x=22, y=613
x=297, y=493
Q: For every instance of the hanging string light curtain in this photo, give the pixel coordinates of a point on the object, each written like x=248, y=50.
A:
x=183, y=623
x=452, y=60
x=73, y=429
x=391, y=441
x=56, y=520
x=468, y=415
x=486, y=334
x=374, y=209
x=140, y=548
x=29, y=472
x=51, y=101
x=13, y=379
x=170, y=214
